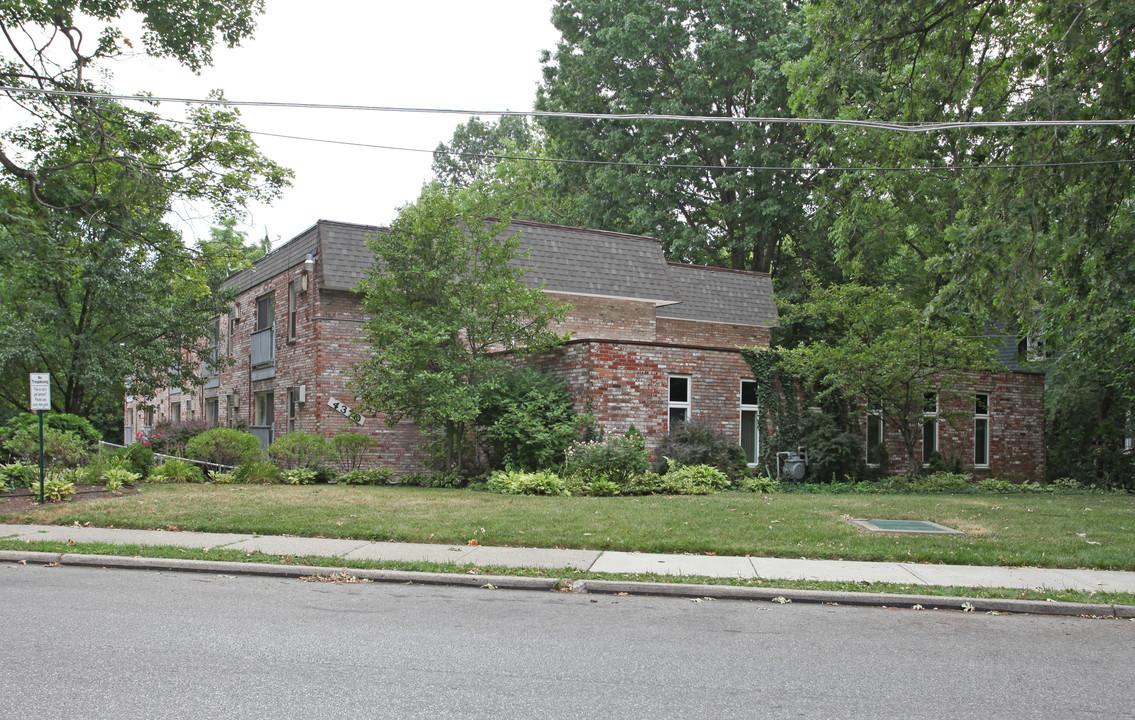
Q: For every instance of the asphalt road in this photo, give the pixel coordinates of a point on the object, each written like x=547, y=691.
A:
x=86, y=643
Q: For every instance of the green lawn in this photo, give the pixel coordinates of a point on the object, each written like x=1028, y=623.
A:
x=1092, y=531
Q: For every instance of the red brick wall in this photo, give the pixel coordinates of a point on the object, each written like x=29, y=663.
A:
x=1016, y=427
x=626, y=383
x=670, y=330
x=592, y=317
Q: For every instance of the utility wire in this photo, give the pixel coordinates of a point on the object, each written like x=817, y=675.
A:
x=679, y=166
x=905, y=127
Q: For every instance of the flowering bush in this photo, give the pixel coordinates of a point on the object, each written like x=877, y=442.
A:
x=616, y=458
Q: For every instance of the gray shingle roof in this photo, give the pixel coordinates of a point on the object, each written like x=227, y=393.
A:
x=594, y=262
x=561, y=259
x=718, y=295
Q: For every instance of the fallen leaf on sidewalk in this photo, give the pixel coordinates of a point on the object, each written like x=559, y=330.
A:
x=781, y=599
x=474, y=542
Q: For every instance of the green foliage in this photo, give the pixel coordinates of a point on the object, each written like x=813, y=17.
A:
x=224, y=446
x=516, y=482
x=298, y=476
x=59, y=421
x=759, y=484
x=649, y=483
x=351, y=449
x=221, y=478
x=115, y=477
x=884, y=348
x=257, y=472
x=56, y=488
x=177, y=471
x=699, y=443
x=443, y=300
x=60, y=447
x=19, y=475
x=139, y=458
x=468, y=157
x=688, y=57
x=300, y=449
x=527, y=422
x=943, y=482
x=1042, y=247
x=616, y=458
x=367, y=476
x=433, y=479
x=707, y=476
x=601, y=488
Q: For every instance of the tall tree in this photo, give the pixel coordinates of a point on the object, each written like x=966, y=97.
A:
x=687, y=57
x=444, y=300
x=1040, y=238
x=70, y=152
x=472, y=152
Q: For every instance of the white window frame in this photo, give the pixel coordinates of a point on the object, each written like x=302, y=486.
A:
x=265, y=320
x=755, y=410
x=874, y=417
x=214, y=404
x=978, y=419
x=175, y=413
x=683, y=405
x=293, y=311
x=293, y=410
x=930, y=416
x=264, y=409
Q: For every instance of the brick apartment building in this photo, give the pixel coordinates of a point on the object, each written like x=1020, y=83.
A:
x=653, y=343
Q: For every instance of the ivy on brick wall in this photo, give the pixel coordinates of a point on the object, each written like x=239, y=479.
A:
x=795, y=416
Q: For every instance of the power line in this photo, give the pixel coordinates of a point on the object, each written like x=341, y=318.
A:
x=679, y=166
x=904, y=127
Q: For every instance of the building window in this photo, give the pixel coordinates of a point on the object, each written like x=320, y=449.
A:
x=175, y=413
x=981, y=430
x=211, y=411
x=293, y=408
x=750, y=422
x=232, y=333
x=230, y=406
x=265, y=312
x=875, y=447
x=292, y=304
x=679, y=407
x=149, y=417
x=265, y=409
x=929, y=426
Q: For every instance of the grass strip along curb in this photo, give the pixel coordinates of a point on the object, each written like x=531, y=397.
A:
x=606, y=587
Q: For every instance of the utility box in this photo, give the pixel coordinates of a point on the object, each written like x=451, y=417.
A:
x=792, y=463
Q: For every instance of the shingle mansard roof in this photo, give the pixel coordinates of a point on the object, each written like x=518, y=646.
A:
x=561, y=259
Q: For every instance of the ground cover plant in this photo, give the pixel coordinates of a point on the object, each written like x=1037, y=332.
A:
x=1049, y=530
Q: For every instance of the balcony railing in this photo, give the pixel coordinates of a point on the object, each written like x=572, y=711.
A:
x=263, y=347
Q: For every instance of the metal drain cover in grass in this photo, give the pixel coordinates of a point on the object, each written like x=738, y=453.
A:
x=921, y=527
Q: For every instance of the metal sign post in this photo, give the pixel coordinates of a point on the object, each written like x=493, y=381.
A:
x=41, y=401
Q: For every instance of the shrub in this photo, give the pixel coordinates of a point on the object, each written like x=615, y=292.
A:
x=173, y=438
x=64, y=422
x=697, y=476
x=698, y=443
x=616, y=458
x=221, y=478
x=943, y=482
x=177, y=471
x=433, y=479
x=298, y=476
x=351, y=449
x=19, y=475
x=528, y=422
x=601, y=488
x=61, y=448
x=256, y=472
x=369, y=476
x=515, y=482
x=300, y=449
x=224, y=446
x=57, y=489
x=138, y=457
x=760, y=484
x=115, y=477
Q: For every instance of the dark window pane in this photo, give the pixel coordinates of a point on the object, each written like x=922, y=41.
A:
x=748, y=393
x=679, y=389
x=981, y=405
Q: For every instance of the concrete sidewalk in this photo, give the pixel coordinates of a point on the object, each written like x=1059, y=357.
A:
x=596, y=561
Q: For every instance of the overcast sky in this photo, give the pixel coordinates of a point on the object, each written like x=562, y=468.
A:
x=431, y=53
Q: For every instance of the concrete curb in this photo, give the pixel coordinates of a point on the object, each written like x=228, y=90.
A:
x=603, y=587
x=928, y=602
